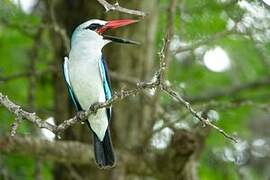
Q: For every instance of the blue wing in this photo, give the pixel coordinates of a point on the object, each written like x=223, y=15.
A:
x=106, y=83
x=68, y=84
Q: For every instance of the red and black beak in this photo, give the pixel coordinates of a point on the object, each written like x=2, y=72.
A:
x=114, y=24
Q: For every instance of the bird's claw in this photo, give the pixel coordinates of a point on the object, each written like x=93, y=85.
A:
x=81, y=114
x=94, y=107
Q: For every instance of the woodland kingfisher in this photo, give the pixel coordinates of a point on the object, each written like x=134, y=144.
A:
x=87, y=80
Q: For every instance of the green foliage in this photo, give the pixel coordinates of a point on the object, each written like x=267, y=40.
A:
x=17, y=31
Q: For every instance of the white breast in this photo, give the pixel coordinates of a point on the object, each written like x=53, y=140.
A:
x=86, y=82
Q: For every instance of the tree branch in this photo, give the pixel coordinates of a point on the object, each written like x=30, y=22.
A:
x=59, y=151
x=156, y=82
x=164, y=53
x=81, y=116
x=117, y=7
x=20, y=113
x=179, y=99
x=159, y=81
x=163, y=65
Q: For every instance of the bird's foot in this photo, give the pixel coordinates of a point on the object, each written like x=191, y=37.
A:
x=94, y=107
x=81, y=114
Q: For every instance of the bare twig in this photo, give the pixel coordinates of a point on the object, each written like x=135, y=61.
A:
x=155, y=83
x=32, y=117
x=164, y=53
x=14, y=126
x=159, y=81
x=162, y=59
x=117, y=7
x=96, y=106
x=18, y=112
x=163, y=65
x=179, y=99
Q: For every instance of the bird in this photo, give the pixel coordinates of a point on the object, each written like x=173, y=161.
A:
x=87, y=78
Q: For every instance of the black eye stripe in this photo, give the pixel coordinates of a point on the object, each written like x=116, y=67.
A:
x=93, y=26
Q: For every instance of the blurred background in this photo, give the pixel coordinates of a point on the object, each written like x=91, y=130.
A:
x=219, y=61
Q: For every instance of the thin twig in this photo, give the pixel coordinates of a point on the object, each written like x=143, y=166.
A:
x=14, y=126
x=159, y=81
x=164, y=53
x=179, y=99
x=32, y=117
x=20, y=113
x=81, y=116
x=96, y=106
x=117, y=7
x=163, y=65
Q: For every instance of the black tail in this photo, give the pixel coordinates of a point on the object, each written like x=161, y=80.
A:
x=104, y=154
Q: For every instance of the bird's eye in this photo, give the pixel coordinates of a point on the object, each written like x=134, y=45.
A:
x=93, y=26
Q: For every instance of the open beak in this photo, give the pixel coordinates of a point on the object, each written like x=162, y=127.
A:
x=114, y=24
